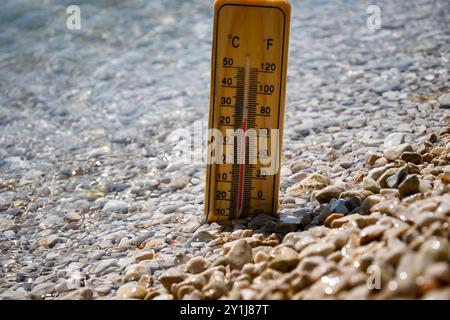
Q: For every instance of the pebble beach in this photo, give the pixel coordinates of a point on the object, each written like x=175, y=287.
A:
x=93, y=205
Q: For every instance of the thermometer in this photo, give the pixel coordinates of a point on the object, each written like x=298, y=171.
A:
x=246, y=116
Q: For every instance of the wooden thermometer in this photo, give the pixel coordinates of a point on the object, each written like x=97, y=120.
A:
x=248, y=84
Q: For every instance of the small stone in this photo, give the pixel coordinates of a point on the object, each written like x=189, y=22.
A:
x=285, y=260
x=412, y=157
x=197, y=265
x=434, y=250
x=313, y=182
x=300, y=165
x=203, y=236
x=364, y=221
x=216, y=286
x=339, y=222
x=376, y=173
x=338, y=238
x=296, y=177
x=239, y=254
x=439, y=271
x=72, y=217
x=171, y=276
x=394, y=139
x=103, y=290
x=104, y=265
x=371, y=185
x=382, y=180
x=80, y=294
x=131, y=291
x=446, y=174
x=394, y=152
x=329, y=220
x=360, y=195
x=153, y=243
x=444, y=100
x=394, y=180
x=13, y=295
x=317, y=249
x=40, y=290
x=261, y=256
x=116, y=206
x=390, y=193
x=445, y=120
x=146, y=281
x=297, y=218
x=6, y=198
x=404, y=64
x=369, y=202
x=178, y=182
x=260, y=220
x=328, y=193
x=86, y=293
x=64, y=286
x=370, y=233
x=153, y=294
x=409, y=185
x=371, y=158
x=339, y=206
x=49, y=242
x=145, y=255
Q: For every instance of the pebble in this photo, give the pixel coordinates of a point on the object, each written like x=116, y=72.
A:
x=203, y=236
x=444, y=100
x=328, y=193
x=80, y=294
x=339, y=206
x=394, y=180
x=394, y=139
x=145, y=255
x=261, y=256
x=300, y=165
x=178, y=182
x=439, y=271
x=260, y=220
x=239, y=254
x=40, y=290
x=285, y=259
x=49, y=242
x=319, y=249
x=50, y=222
x=115, y=206
x=131, y=290
x=446, y=175
x=72, y=217
x=409, y=185
x=171, y=276
x=104, y=265
x=394, y=152
x=329, y=220
x=371, y=233
x=146, y=281
x=412, y=157
x=313, y=182
x=6, y=198
x=197, y=265
x=103, y=290
x=371, y=158
x=371, y=185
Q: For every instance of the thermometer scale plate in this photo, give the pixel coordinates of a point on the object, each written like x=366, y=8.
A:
x=248, y=83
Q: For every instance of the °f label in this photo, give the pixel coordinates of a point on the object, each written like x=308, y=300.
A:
x=248, y=80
